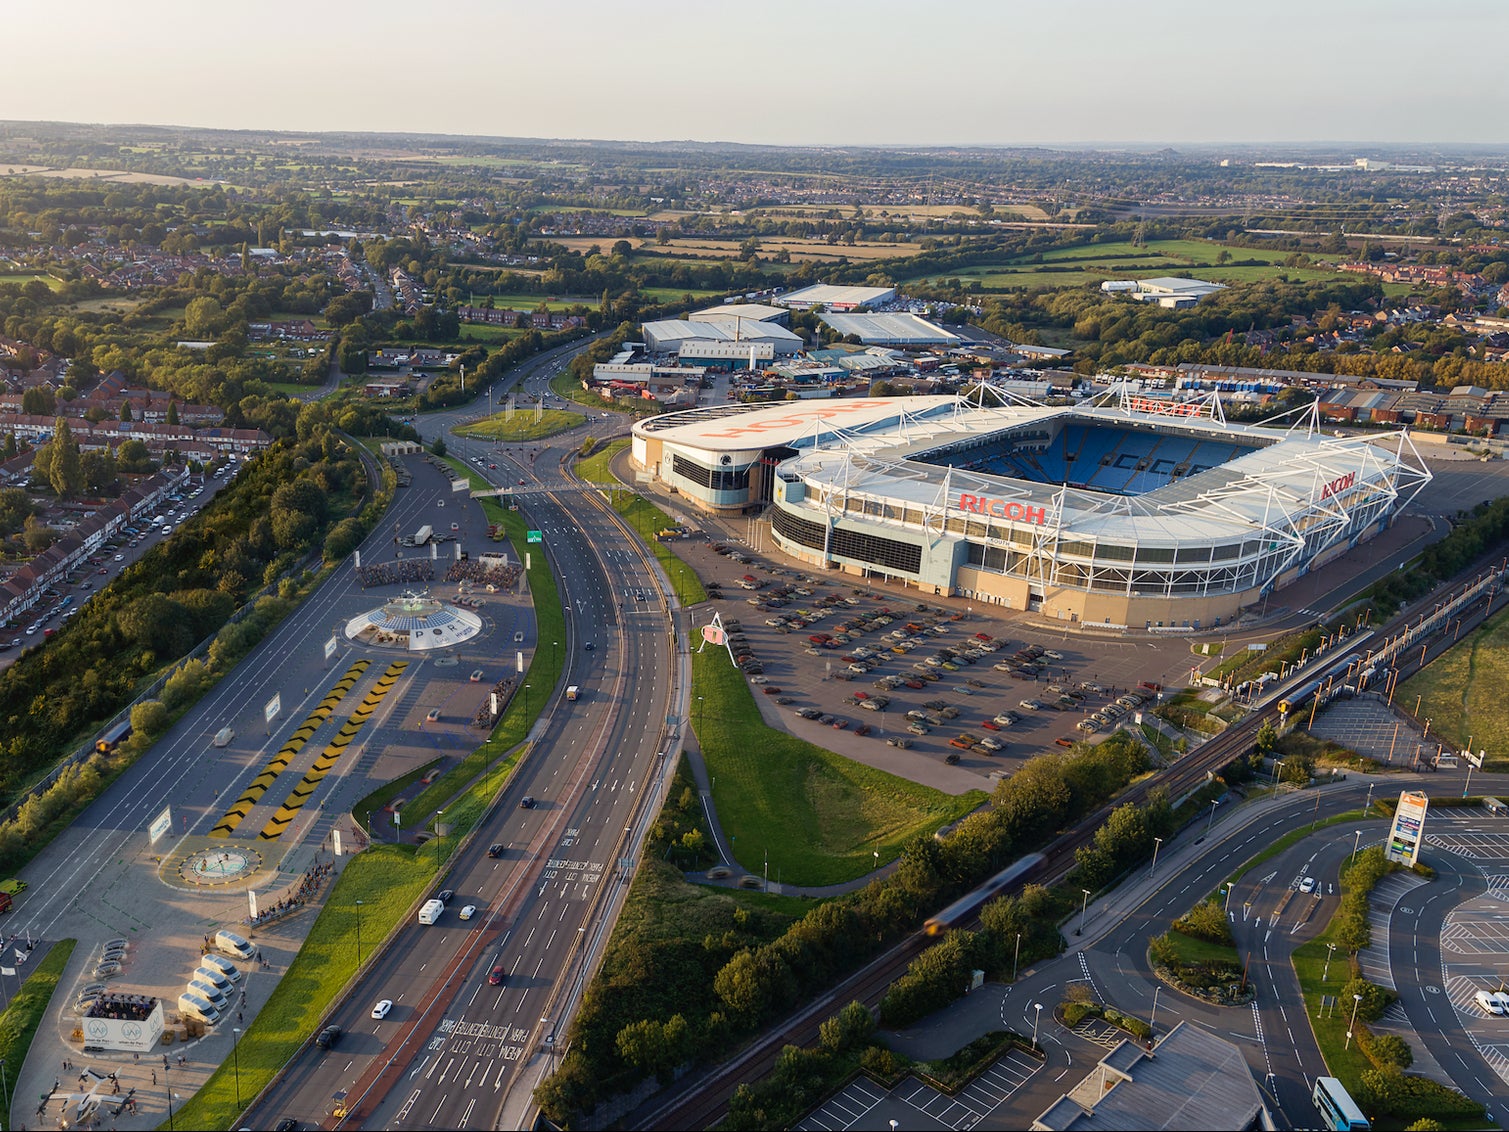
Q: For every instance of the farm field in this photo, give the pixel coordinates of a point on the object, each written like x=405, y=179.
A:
x=523, y=302
x=800, y=250
x=24, y=277
x=1095, y=263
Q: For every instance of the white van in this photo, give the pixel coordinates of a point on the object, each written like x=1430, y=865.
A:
x=212, y=995
x=222, y=964
x=430, y=911
x=234, y=946
x=1489, y=1002
x=208, y=974
x=194, y=1006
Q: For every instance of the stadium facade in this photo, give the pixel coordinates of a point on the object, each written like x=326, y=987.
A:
x=1129, y=512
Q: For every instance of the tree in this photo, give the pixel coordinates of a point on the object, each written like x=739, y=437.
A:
x=172, y=411
x=66, y=474
x=38, y=401
x=203, y=317
x=850, y=1027
x=125, y=410
x=1267, y=737
x=438, y=447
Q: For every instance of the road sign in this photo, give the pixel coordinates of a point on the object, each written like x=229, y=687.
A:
x=160, y=825
x=330, y=647
x=534, y=536
x=274, y=706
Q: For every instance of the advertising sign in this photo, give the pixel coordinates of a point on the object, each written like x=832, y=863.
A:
x=274, y=706
x=251, y=904
x=137, y=1034
x=1408, y=828
x=161, y=824
x=458, y=486
x=330, y=647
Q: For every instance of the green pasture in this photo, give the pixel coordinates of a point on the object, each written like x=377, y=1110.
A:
x=820, y=817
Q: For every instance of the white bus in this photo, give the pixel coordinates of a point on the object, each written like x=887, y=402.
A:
x=1337, y=1108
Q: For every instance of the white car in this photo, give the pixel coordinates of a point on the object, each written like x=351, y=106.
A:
x=380, y=1011
x=1307, y=885
x=468, y=912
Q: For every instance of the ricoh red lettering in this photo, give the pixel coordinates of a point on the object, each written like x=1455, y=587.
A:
x=1001, y=509
x=1339, y=484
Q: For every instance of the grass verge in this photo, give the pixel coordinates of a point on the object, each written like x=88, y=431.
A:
x=19, y=1023
x=523, y=426
x=387, y=879
x=646, y=519
x=819, y=816
x=1289, y=839
x=544, y=673
x=1461, y=692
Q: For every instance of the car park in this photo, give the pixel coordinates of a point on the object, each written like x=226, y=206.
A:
x=381, y=1010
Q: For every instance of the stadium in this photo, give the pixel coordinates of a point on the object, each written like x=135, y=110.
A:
x=1128, y=511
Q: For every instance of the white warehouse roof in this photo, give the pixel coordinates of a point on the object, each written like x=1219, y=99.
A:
x=826, y=295
x=891, y=329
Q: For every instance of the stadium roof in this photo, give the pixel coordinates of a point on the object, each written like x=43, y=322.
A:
x=1251, y=492
x=733, y=427
x=827, y=295
x=891, y=329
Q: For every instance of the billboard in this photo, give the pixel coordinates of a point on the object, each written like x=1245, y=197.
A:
x=1408, y=829
x=161, y=824
x=458, y=486
x=138, y=1032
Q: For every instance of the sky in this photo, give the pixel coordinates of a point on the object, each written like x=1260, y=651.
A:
x=782, y=72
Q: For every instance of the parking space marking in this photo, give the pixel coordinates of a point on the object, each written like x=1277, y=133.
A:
x=977, y=1100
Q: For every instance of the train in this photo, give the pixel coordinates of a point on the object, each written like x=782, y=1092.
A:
x=970, y=902
x=1303, y=694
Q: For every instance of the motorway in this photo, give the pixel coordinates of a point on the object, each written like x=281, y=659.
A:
x=457, y=1051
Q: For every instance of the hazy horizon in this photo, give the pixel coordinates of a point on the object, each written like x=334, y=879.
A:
x=1077, y=74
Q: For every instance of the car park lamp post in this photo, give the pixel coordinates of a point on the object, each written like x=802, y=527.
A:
x=1083, y=904
x=236, y=1058
x=1352, y=1025
x=1016, y=959
x=1037, y=1017
x=1153, y=1017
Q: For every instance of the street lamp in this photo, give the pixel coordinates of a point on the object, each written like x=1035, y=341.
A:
x=1368, y=805
x=236, y=1056
x=1278, y=767
x=1036, y=1018
x=6, y=1087
x=358, y=934
x=1083, y=904
x=439, y=837
x=168, y=1086
x=1355, y=842
x=1015, y=960
x=1352, y=1025
x=1157, y=845
x=1153, y=1017
x=1326, y=972
x=1210, y=821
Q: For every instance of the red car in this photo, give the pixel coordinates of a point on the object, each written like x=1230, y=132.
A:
x=862, y=729
x=495, y=977
x=771, y=690
x=840, y=723
x=990, y=725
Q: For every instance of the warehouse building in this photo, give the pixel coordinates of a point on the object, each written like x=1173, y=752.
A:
x=891, y=330
x=825, y=296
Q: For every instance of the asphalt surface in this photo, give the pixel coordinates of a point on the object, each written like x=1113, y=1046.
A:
x=458, y=1051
